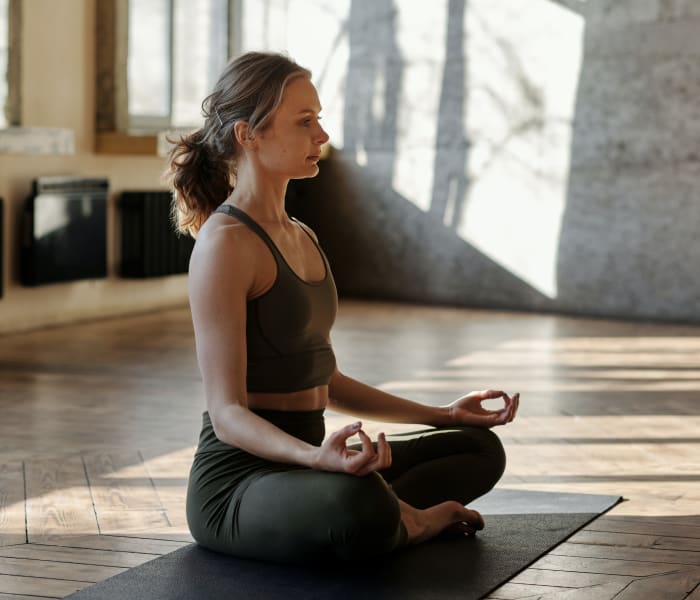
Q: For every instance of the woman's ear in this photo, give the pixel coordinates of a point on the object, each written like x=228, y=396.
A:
x=242, y=133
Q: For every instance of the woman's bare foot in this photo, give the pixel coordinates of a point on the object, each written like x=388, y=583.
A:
x=422, y=525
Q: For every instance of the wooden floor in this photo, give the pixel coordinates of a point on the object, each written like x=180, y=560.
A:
x=99, y=422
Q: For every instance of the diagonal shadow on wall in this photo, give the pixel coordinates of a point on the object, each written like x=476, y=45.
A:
x=379, y=243
x=382, y=246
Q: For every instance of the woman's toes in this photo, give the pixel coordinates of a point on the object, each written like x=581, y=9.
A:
x=475, y=519
x=461, y=528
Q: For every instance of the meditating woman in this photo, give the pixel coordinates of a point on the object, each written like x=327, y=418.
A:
x=266, y=481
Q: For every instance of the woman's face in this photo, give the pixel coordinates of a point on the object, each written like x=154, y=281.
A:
x=290, y=145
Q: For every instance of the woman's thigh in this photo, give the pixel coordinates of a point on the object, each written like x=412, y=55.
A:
x=433, y=465
x=306, y=515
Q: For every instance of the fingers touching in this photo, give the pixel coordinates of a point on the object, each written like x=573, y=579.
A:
x=511, y=407
x=367, y=459
x=488, y=394
x=507, y=413
x=514, y=410
x=379, y=459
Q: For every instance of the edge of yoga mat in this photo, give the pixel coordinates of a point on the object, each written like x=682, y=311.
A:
x=467, y=568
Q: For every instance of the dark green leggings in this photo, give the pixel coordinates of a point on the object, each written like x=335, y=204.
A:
x=240, y=504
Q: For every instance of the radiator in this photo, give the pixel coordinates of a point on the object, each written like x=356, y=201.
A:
x=64, y=230
x=150, y=246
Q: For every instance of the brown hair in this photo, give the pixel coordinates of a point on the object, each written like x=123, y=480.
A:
x=201, y=165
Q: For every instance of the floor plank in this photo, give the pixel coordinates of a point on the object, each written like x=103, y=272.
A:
x=118, y=543
x=604, y=566
x=169, y=472
x=170, y=534
x=58, y=499
x=133, y=521
x=119, y=482
x=57, y=570
x=87, y=556
x=517, y=591
x=675, y=586
x=675, y=557
x=606, y=591
x=567, y=578
x=12, y=506
x=636, y=540
x=693, y=520
x=40, y=586
x=620, y=525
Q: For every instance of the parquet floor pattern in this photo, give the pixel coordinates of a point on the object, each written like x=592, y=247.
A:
x=99, y=422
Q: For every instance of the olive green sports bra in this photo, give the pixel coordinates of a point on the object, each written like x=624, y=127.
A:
x=288, y=327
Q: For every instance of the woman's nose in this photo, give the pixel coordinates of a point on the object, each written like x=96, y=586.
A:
x=322, y=136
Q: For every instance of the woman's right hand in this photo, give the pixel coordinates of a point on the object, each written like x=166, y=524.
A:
x=334, y=455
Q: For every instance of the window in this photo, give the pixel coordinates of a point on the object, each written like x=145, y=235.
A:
x=17, y=137
x=156, y=62
x=4, y=53
x=9, y=63
x=176, y=51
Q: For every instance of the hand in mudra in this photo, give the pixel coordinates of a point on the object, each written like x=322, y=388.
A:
x=334, y=455
x=468, y=410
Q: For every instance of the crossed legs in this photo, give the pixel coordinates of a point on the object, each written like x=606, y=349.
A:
x=304, y=515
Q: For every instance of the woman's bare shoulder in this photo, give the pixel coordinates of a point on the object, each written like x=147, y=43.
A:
x=222, y=236
x=225, y=255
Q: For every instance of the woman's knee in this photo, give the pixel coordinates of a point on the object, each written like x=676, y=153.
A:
x=485, y=446
x=493, y=449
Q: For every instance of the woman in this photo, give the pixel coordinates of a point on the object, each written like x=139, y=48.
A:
x=264, y=484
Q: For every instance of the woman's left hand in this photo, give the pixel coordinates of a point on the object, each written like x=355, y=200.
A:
x=468, y=410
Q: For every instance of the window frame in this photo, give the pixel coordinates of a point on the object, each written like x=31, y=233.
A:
x=12, y=106
x=16, y=137
x=115, y=131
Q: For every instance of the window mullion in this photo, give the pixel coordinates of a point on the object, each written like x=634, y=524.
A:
x=13, y=102
x=235, y=27
x=171, y=60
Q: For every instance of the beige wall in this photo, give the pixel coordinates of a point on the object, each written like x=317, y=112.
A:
x=58, y=91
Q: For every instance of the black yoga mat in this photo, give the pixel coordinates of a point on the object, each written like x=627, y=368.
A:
x=520, y=527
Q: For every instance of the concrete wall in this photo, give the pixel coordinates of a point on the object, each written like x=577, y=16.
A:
x=540, y=157
x=58, y=74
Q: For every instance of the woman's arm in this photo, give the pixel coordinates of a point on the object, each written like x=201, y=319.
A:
x=350, y=396
x=347, y=395
x=223, y=271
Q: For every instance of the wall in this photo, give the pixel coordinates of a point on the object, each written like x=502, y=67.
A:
x=487, y=154
x=632, y=206
x=492, y=154
x=58, y=91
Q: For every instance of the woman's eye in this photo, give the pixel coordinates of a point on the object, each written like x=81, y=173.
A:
x=307, y=122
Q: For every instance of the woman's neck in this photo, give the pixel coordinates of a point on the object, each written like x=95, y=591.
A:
x=262, y=198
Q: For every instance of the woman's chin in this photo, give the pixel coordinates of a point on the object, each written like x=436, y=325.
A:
x=310, y=171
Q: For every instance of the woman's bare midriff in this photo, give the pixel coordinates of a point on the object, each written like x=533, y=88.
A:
x=311, y=399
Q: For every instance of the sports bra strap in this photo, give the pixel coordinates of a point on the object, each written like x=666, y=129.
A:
x=311, y=237
x=234, y=211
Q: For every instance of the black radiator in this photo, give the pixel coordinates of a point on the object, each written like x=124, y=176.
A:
x=64, y=230
x=150, y=245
